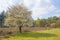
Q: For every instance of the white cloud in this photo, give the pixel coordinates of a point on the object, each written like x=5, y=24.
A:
x=57, y=15
x=52, y=8
x=57, y=11
x=40, y=7
x=48, y=1
x=4, y=4
x=28, y=2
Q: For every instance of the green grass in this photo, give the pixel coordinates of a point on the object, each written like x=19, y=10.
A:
x=53, y=34
x=36, y=35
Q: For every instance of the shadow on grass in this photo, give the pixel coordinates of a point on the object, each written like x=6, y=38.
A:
x=36, y=35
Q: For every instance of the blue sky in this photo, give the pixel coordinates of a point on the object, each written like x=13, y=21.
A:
x=39, y=8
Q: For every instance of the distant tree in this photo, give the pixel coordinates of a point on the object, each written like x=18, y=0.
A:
x=18, y=15
x=43, y=23
x=2, y=18
x=50, y=22
x=37, y=22
x=54, y=19
x=57, y=25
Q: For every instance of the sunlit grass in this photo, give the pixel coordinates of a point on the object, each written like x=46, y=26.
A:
x=53, y=34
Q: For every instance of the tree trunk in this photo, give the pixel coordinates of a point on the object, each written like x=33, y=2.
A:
x=20, y=29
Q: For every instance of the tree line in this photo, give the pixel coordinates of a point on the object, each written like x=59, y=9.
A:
x=53, y=22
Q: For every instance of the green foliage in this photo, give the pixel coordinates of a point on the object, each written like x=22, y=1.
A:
x=35, y=35
x=49, y=22
x=43, y=23
x=52, y=21
x=37, y=22
x=57, y=24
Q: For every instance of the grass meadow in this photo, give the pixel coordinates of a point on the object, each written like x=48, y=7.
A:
x=53, y=34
